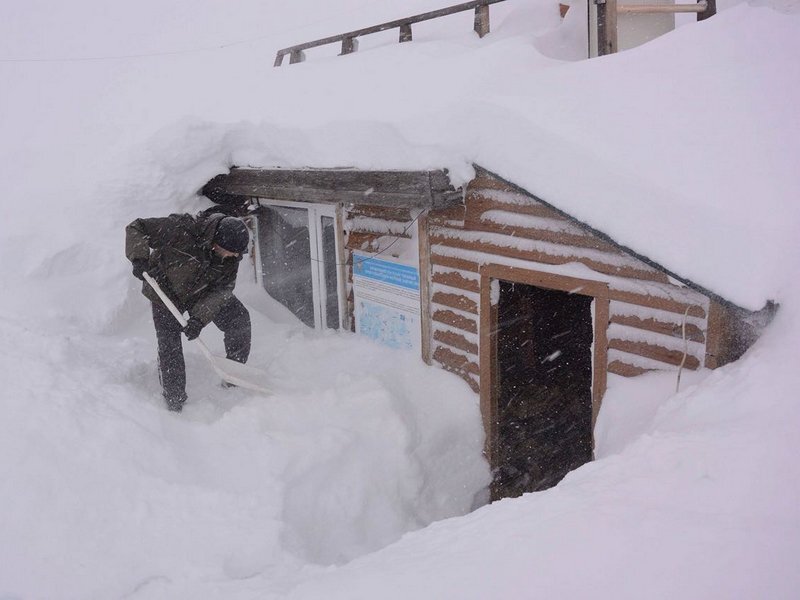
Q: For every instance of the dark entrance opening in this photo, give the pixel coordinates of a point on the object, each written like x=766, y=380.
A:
x=544, y=387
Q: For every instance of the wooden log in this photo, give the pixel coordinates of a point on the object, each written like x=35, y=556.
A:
x=484, y=181
x=455, y=301
x=454, y=263
x=362, y=240
x=625, y=370
x=454, y=361
x=456, y=280
x=659, y=353
x=453, y=319
x=643, y=274
x=546, y=235
x=456, y=341
x=693, y=332
x=476, y=205
x=667, y=304
x=447, y=216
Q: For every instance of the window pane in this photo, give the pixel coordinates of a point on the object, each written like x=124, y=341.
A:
x=286, y=259
x=329, y=264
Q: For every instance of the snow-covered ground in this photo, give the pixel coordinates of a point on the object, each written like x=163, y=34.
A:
x=685, y=149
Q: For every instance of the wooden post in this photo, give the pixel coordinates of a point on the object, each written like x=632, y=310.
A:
x=278, y=59
x=349, y=45
x=297, y=56
x=710, y=11
x=424, y=247
x=482, y=20
x=606, y=27
x=600, y=358
x=405, y=33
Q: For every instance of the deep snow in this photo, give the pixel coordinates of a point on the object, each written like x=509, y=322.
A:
x=684, y=149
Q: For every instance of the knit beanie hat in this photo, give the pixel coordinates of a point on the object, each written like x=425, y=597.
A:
x=232, y=235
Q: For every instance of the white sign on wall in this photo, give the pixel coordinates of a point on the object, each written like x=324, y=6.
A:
x=387, y=307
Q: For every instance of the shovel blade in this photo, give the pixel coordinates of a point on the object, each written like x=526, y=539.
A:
x=241, y=375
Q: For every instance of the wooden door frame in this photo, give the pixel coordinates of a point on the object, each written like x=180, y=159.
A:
x=598, y=290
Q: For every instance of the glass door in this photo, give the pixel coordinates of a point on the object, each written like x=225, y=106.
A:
x=299, y=253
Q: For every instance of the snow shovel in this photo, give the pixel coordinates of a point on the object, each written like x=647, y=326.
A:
x=230, y=371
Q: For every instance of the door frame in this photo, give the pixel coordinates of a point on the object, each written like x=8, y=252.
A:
x=489, y=388
x=314, y=212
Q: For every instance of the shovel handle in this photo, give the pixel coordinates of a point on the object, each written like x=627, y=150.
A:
x=167, y=302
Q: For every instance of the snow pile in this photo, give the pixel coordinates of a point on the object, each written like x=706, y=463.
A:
x=684, y=149
x=105, y=493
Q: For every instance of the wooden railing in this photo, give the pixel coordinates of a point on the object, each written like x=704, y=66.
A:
x=350, y=40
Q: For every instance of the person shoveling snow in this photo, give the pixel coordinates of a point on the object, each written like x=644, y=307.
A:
x=194, y=259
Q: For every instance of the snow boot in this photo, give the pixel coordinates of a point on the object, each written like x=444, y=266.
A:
x=175, y=404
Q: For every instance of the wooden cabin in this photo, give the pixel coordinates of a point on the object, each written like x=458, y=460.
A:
x=529, y=306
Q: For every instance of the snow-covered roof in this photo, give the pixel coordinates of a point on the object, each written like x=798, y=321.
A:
x=684, y=150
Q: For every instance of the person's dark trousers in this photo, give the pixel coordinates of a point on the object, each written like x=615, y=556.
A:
x=232, y=319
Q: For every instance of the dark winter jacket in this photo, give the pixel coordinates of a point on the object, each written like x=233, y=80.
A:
x=186, y=267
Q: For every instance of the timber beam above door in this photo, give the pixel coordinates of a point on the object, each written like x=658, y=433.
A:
x=408, y=189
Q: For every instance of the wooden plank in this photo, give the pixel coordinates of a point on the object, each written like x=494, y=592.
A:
x=454, y=263
x=361, y=240
x=715, y=335
x=384, y=188
x=424, y=287
x=448, y=317
x=404, y=234
x=659, y=353
x=489, y=389
x=456, y=280
x=389, y=213
x=455, y=301
x=693, y=332
x=484, y=181
x=546, y=235
x=456, y=341
x=446, y=216
x=476, y=205
x=553, y=281
x=600, y=357
x=625, y=370
x=643, y=274
x=675, y=306
x=639, y=9
x=454, y=361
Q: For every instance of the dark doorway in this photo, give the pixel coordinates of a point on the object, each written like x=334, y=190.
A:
x=544, y=387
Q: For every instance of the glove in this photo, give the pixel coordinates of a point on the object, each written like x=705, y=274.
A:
x=139, y=267
x=193, y=328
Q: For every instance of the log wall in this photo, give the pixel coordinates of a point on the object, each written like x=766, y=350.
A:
x=499, y=225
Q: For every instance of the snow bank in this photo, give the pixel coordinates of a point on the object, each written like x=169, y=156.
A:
x=701, y=503
x=106, y=494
